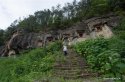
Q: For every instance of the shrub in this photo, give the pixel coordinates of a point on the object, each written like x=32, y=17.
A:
x=121, y=26
x=108, y=60
x=100, y=55
x=118, y=45
x=54, y=46
x=93, y=46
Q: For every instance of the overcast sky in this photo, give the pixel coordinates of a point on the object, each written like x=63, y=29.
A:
x=11, y=10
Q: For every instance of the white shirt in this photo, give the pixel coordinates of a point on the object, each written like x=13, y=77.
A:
x=64, y=48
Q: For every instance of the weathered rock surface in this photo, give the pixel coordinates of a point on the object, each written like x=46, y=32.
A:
x=78, y=32
x=19, y=42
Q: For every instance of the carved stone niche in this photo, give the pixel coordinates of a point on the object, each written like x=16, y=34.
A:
x=66, y=36
x=98, y=27
x=40, y=43
x=50, y=38
x=80, y=33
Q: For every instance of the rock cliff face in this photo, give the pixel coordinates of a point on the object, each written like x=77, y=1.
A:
x=91, y=28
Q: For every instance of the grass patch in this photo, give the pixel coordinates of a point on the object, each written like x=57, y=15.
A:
x=29, y=66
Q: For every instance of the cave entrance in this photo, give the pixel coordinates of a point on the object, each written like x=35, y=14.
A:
x=80, y=33
x=98, y=28
x=66, y=36
x=50, y=38
x=40, y=41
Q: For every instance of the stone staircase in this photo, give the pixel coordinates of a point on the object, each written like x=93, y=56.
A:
x=73, y=67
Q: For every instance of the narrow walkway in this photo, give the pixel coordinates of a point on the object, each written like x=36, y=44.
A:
x=73, y=67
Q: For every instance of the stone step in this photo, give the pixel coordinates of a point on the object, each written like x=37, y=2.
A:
x=74, y=71
x=85, y=75
x=72, y=55
x=70, y=62
x=67, y=77
x=73, y=59
x=65, y=63
x=70, y=66
x=75, y=76
x=66, y=68
x=66, y=74
x=67, y=71
x=69, y=57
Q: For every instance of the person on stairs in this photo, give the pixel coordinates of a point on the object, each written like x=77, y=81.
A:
x=65, y=50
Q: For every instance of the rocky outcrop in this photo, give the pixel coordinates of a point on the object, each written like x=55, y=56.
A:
x=91, y=28
x=110, y=20
x=19, y=42
x=22, y=41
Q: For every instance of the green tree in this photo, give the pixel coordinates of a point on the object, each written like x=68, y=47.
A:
x=116, y=4
x=29, y=24
x=1, y=37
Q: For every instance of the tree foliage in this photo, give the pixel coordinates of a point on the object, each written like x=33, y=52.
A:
x=61, y=17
